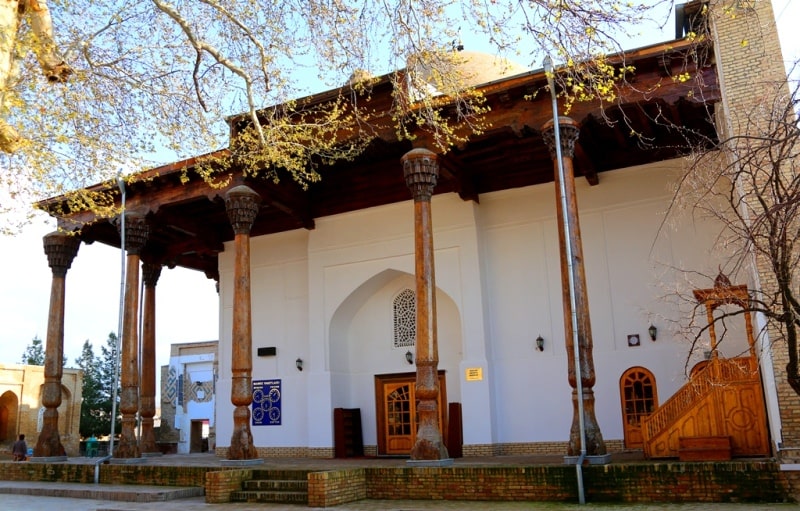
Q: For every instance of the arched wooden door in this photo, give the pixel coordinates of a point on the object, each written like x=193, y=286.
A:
x=639, y=398
x=401, y=417
x=396, y=406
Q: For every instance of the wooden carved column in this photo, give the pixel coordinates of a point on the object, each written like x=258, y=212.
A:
x=136, y=232
x=595, y=446
x=421, y=170
x=242, y=205
x=61, y=249
x=150, y=274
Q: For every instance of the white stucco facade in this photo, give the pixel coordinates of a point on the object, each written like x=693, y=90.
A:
x=189, y=397
x=325, y=296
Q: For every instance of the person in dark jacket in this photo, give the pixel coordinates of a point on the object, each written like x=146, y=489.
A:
x=20, y=449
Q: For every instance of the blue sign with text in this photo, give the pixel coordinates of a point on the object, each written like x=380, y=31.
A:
x=266, y=406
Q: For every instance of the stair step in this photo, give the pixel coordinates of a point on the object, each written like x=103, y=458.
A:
x=283, y=475
x=270, y=496
x=276, y=485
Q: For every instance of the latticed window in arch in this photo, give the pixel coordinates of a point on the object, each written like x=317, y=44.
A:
x=639, y=399
x=405, y=319
x=638, y=394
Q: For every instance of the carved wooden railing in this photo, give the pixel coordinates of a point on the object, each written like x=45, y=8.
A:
x=716, y=375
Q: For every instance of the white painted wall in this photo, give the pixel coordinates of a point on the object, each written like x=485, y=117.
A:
x=326, y=296
x=198, y=369
x=629, y=261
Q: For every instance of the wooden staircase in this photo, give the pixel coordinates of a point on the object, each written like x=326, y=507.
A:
x=722, y=399
x=275, y=486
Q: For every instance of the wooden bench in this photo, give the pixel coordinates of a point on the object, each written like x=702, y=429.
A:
x=704, y=448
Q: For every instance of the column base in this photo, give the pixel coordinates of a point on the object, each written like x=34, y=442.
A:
x=446, y=462
x=600, y=459
x=242, y=463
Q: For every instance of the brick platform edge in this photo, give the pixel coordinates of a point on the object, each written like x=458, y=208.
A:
x=738, y=481
x=741, y=481
x=326, y=489
x=730, y=481
x=109, y=474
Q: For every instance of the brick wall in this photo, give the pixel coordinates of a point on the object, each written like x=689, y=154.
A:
x=535, y=483
x=332, y=488
x=220, y=484
x=284, y=452
x=746, y=481
x=479, y=450
x=530, y=448
x=751, y=69
x=152, y=474
x=109, y=474
x=738, y=481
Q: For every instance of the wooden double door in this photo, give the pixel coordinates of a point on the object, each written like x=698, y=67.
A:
x=396, y=407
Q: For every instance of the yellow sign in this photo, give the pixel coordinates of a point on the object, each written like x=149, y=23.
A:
x=474, y=374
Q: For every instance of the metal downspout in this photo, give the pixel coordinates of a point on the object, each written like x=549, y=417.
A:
x=548, y=67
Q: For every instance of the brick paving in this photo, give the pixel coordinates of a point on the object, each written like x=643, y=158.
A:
x=29, y=503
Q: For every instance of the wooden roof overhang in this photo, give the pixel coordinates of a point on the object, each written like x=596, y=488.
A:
x=188, y=222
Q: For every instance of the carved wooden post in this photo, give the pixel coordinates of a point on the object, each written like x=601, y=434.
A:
x=61, y=249
x=595, y=446
x=147, y=409
x=242, y=205
x=421, y=170
x=136, y=232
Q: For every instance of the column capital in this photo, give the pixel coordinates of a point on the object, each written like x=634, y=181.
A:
x=61, y=248
x=570, y=130
x=242, y=204
x=421, y=171
x=136, y=231
x=150, y=273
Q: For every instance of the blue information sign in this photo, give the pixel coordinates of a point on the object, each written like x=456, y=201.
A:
x=266, y=406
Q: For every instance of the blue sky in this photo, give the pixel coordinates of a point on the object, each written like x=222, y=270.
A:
x=187, y=304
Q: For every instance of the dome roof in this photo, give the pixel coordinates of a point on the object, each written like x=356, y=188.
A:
x=471, y=68
x=477, y=68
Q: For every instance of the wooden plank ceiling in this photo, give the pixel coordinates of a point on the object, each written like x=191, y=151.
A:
x=656, y=117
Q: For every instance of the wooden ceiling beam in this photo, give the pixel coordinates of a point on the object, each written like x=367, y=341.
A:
x=457, y=171
x=287, y=197
x=583, y=162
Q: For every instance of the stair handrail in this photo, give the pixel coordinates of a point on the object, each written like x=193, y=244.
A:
x=717, y=372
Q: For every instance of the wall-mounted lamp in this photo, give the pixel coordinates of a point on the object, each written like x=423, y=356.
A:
x=653, y=331
x=540, y=343
x=299, y=364
x=409, y=357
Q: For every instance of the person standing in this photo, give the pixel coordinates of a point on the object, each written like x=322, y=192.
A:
x=20, y=449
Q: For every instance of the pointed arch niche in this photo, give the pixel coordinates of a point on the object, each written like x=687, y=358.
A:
x=9, y=412
x=362, y=343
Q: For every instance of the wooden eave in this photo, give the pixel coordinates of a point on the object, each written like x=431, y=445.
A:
x=655, y=118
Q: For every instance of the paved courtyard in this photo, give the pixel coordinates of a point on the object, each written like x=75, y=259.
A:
x=28, y=503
